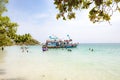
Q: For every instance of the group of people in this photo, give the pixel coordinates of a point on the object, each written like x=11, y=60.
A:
x=69, y=50
x=24, y=49
x=91, y=49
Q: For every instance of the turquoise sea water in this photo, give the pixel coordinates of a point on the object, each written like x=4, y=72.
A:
x=103, y=63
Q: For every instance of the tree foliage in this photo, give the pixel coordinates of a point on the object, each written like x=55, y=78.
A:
x=8, y=30
x=100, y=10
x=2, y=6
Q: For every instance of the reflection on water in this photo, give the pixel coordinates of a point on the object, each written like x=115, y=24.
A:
x=59, y=64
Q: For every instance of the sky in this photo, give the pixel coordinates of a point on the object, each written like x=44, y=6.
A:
x=38, y=17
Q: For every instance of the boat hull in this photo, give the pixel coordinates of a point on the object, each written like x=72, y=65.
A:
x=61, y=46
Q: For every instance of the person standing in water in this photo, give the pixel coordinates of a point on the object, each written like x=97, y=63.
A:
x=2, y=48
x=91, y=49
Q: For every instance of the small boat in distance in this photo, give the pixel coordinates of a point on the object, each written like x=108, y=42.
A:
x=54, y=42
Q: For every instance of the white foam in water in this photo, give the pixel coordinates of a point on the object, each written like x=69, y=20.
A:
x=103, y=63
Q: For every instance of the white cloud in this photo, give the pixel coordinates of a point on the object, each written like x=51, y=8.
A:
x=40, y=16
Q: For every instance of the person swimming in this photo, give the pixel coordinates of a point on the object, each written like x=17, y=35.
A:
x=69, y=50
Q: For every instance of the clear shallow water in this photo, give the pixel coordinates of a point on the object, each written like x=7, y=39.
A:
x=59, y=64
